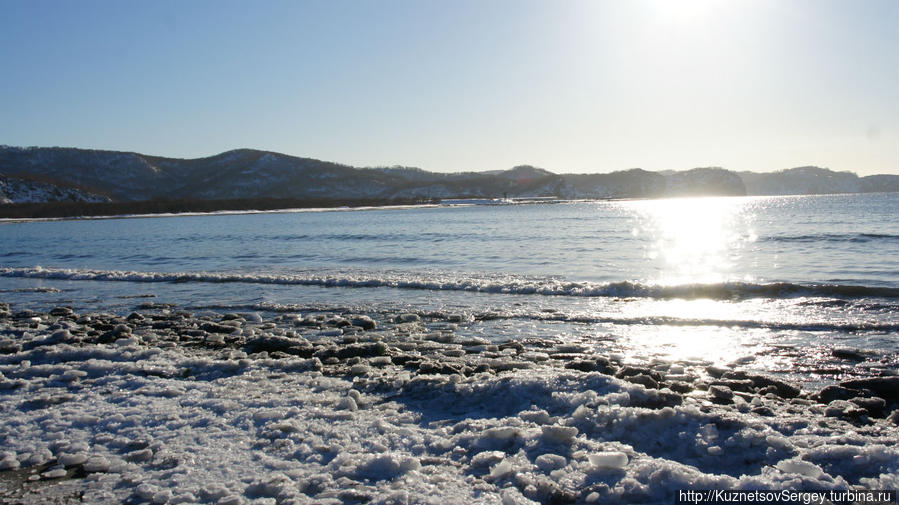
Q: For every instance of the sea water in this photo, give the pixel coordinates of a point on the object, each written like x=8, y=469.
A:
x=771, y=284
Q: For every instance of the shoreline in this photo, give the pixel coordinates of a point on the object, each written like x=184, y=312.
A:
x=329, y=407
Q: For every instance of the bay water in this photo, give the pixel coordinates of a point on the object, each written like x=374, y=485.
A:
x=771, y=284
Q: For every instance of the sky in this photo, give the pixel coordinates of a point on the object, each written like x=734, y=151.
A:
x=572, y=86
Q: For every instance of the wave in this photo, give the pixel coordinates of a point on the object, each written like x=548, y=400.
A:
x=834, y=237
x=482, y=284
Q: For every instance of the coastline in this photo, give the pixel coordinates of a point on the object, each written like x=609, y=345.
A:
x=168, y=406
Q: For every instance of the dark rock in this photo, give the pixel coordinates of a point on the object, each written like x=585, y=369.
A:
x=364, y=322
x=744, y=385
x=885, y=387
x=584, y=365
x=737, y=375
x=215, y=328
x=784, y=389
x=275, y=344
x=763, y=411
x=482, y=368
x=721, y=393
x=430, y=367
x=62, y=311
x=875, y=407
x=9, y=347
x=679, y=387
x=403, y=359
x=848, y=354
x=644, y=380
x=831, y=393
x=628, y=371
x=135, y=316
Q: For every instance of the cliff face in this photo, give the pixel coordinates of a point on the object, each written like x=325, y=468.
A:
x=68, y=174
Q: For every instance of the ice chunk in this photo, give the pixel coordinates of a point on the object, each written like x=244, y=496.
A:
x=347, y=403
x=67, y=460
x=512, y=496
x=801, y=467
x=609, y=459
x=486, y=458
x=559, y=434
x=550, y=462
x=387, y=466
x=56, y=473
x=96, y=464
x=8, y=460
x=501, y=469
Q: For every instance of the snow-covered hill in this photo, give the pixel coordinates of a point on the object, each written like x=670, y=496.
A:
x=247, y=173
x=16, y=190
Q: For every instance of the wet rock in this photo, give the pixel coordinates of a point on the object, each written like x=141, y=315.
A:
x=431, y=368
x=62, y=311
x=721, y=393
x=848, y=354
x=584, y=365
x=135, y=316
x=885, y=387
x=784, y=389
x=215, y=328
x=679, y=387
x=364, y=322
x=274, y=343
x=629, y=371
x=742, y=385
x=8, y=346
x=763, y=411
x=644, y=380
x=831, y=393
x=874, y=406
x=366, y=350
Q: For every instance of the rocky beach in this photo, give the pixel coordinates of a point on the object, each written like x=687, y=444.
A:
x=168, y=406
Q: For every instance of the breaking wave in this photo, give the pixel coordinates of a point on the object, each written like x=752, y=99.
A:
x=499, y=284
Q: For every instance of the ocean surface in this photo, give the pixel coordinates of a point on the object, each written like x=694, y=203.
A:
x=771, y=284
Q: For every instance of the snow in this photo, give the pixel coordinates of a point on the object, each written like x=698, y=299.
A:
x=161, y=416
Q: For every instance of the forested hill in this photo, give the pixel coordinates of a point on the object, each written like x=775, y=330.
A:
x=37, y=174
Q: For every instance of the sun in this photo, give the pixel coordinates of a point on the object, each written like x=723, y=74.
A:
x=679, y=12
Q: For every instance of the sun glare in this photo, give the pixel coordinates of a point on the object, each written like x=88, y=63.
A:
x=682, y=11
x=692, y=240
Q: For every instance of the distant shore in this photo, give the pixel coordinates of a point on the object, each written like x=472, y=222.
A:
x=51, y=210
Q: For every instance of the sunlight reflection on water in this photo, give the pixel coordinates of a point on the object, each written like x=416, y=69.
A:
x=694, y=240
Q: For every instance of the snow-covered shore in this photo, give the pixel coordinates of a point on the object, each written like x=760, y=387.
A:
x=174, y=407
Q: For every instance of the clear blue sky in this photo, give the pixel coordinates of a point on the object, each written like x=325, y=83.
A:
x=572, y=86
